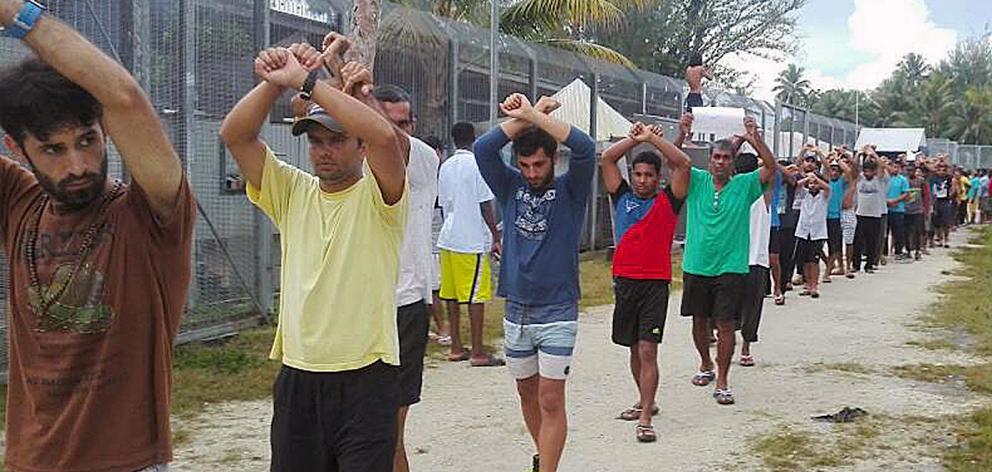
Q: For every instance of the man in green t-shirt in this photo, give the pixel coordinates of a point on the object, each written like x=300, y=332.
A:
x=715, y=261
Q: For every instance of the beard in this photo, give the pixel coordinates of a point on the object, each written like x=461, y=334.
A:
x=75, y=199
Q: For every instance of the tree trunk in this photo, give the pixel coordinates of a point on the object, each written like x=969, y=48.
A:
x=364, y=33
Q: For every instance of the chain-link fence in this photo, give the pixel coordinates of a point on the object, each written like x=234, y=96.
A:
x=968, y=156
x=195, y=59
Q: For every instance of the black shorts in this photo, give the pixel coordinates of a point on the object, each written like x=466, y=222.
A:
x=835, y=236
x=413, y=324
x=754, y=300
x=775, y=238
x=943, y=216
x=335, y=421
x=693, y=100
x=640, y=311
x=808, y=251
x=718, y=298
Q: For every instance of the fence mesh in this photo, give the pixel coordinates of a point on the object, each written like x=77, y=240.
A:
x=195, y=59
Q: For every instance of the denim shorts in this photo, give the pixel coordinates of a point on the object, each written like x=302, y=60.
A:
x=540, y=339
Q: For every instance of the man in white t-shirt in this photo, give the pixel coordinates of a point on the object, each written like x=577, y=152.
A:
x=469, y=230
x=756, y=285
x=413, y=289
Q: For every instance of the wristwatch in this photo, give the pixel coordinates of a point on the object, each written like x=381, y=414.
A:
x=306, y=91
x=25, y=19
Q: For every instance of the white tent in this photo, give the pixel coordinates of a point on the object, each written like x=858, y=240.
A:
x=893, y=139
x=575, y=106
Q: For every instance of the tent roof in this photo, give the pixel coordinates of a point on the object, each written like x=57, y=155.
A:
x=575, y=106
x=893, y=139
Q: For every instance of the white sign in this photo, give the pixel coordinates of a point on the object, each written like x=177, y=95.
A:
x=722, y=122
x=300, y=8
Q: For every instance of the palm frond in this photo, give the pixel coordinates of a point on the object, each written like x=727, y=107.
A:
x=593, y=50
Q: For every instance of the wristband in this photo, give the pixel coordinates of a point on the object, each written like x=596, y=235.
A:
x=307, y=90
x=25, y=19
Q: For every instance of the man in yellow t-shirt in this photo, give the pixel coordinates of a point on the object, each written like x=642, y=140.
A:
x=336, y=397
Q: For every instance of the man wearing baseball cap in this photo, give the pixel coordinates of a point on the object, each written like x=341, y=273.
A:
x=336, y=397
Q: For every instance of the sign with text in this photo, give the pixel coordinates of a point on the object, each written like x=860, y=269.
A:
x=300, y=8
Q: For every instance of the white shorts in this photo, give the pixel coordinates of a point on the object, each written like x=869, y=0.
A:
x=848, y=224
x=435, y=272
x=539, y=339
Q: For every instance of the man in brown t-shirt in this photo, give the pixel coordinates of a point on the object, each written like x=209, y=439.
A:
x=99, y=270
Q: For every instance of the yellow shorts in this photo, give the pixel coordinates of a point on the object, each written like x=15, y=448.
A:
x=465, y=278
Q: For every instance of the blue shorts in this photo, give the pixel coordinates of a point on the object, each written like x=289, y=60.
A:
x=540, y=339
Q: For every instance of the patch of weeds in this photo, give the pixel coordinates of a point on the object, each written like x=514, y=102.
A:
x=939, y=344
x=974, y=449
x=785, y=449
x=235, y=371
x=849, y=367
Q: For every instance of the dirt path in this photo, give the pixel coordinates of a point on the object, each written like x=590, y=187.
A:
x=469, y=420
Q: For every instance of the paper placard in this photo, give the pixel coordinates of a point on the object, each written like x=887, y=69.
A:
x=722, y=122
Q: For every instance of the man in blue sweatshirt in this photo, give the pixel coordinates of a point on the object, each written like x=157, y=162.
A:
x=539, y=270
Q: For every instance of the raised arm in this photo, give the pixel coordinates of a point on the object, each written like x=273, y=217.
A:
x=685, y=130
x=517, y=106
x=242, y=127
x=753, y=137
x=679, y=164
x=608, y=161
x=128, y=116
x=513, y=127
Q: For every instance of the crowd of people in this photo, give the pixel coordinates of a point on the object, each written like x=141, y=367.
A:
x=382, y=234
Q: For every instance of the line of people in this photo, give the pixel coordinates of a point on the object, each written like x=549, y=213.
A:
x=100, y=268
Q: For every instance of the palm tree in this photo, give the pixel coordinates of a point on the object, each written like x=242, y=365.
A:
x=934, y=103
x=914, y=68
x=552, y=22
x=973, y=121
x=792, y=87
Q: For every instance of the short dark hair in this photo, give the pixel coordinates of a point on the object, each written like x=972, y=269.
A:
x=532, y=140
x=647, y=157
x=36, y=99
x=391, y=94
x=695, y=59
x=724, y=145
x=870, y=164
x=463, y=134
x=434, y=142
x=746, y=162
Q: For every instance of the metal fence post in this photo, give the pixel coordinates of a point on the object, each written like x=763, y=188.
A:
x=453, y=80
x=186, y=92
x=261, y=228
x=593, y=132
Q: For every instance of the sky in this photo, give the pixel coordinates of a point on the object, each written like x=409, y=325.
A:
x=857, y=43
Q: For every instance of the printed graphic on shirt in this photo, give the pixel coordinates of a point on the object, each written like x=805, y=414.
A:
x=533, y=212
x=71, y=300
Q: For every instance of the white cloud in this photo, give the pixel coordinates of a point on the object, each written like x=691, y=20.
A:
x=882, y=30
x=890, y=29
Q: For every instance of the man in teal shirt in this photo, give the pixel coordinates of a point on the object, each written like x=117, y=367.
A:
x=897, y=197
x=715, y=261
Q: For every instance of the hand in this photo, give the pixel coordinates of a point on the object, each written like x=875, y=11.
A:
x=792, y=169
x=280, y=67
x=751, y=128
x=497, y=248
x=640, y=132
x=547, y=105
x=657, y=130
x=685, y=124
x=334, y=46
x=307, y=55
x=517, y=106
x=357, y=80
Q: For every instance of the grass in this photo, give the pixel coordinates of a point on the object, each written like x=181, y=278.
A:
x=849, y=367
x=965, y=306
x=791, y=449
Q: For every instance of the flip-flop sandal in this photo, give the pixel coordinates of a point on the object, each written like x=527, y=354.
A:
x=464, y=356
x=828, y=281
x=804, y=293
x=491, y=361
x=747, y=361
x=724, y=397
x=703, y=378
x=850, y=276
x=780, y=300
x=815, y=295
x=634, y=413
x=645, y=433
